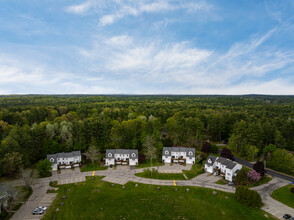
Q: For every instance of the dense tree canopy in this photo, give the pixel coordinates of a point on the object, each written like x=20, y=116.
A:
x=34, y=126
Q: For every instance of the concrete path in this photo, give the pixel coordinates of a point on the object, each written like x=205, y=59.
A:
x=122, y=176
x=271, y=205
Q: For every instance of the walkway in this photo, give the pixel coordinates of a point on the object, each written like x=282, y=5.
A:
x=122, y=176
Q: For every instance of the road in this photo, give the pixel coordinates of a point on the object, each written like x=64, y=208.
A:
x=268, y=171
x=123, y=175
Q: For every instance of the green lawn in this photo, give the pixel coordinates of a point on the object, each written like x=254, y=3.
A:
x=155, y=163
x=194, y=171
x=161, y=176
x=284, y=195
x=146, y=202
x=92, y=167
x=263, y=180
x=222, y=182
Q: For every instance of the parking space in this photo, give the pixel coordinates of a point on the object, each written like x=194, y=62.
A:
x=73, y=179
x=46, y=201
x=207, y=178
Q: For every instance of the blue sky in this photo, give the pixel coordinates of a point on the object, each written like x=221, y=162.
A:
x=146, y=47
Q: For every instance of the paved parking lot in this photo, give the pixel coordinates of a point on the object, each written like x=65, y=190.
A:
x=46, y=201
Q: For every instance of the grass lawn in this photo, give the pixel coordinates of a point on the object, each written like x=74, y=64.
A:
x=194, y=171
x=161, y=176
x=146, y=202
x=155, y=163
x=263, y=180
x=92, y=167
x=284, y=195
x=222, y=182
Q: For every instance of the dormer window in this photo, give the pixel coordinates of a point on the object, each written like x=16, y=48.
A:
x=109, y=154
x=133, y=154
x=52, y=160
x=190, y=153
x=166, y=152
x=209, y=161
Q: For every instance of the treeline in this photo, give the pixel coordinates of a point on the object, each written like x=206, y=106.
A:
x=33, y=126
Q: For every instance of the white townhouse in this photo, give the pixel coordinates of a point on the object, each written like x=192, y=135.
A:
x=121, y=157
x=227, y=167
x=178, y=155
x=65, y=160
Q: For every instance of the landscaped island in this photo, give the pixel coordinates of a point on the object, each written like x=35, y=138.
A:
x=100, y=200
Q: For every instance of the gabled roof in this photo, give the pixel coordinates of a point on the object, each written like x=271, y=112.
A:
x=227, y=162
x=210, y=160
x=111, y=152
x=166, y=151
x=63, y=155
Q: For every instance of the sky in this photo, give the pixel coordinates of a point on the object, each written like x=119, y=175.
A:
x=147, y=47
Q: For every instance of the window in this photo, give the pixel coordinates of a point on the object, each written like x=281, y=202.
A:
x=52, y=160
x=133, y=154
x=109, y=154
x=190, y=153
x=166, y=152
x=166, y=156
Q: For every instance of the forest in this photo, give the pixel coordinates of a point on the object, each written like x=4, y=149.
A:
x=254, y=126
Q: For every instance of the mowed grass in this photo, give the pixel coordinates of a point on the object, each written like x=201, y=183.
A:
x=284, y=195
x=145, y=202
x=263, y=180
x=92, y=167
x=161, y=176
x=195, y=170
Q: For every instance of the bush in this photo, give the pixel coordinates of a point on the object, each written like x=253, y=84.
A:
x=227, y=153
x=214, y=149
x=292, y=190
x=248, y=197
x=206, y=148
x=254, y=176
x=44, y=168
x=259, y=167
x=241, y=178
x=142, y=158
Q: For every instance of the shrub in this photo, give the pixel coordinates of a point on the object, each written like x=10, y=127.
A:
x=248, y=197
x=292, y=190
x=206, y=148
x=142, y=158
x=214, y=149
x=227, y=153
x=44, y=168
x=241, y=178
x=254, y=176
x=259, y=167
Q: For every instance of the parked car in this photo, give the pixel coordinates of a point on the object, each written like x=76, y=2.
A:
x=110, y=166
x=37, y=211
x=231, y=184
x=44, y=208
x=287, y=216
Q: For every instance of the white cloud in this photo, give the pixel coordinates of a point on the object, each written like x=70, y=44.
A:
x=137, y=8
x=183, y=68
x=80, y=9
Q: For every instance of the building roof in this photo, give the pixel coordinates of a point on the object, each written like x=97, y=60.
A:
x=111, y=152
x=210, y=160
x=227, y=162
x=168, y=150
x=63, y=155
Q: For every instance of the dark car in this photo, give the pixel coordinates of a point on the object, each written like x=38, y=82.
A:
x=286, y=216
x=110, y=166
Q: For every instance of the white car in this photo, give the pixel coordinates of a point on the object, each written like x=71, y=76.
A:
x=44, y=208
x=37, y=211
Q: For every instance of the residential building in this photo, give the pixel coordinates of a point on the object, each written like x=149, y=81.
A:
x=178, y=155
x=121, y=157
x=223, y=165
x=65, y=160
